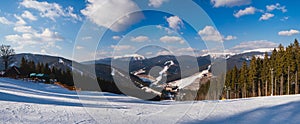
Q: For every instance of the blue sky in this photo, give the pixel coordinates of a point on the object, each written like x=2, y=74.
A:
x=88, y=29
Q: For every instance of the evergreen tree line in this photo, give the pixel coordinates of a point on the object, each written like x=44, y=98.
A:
x=63, y=76
x=275, y=74
x=84, y=82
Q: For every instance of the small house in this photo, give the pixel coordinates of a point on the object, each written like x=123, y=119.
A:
x=13, y=72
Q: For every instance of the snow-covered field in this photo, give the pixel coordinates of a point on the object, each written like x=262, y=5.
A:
x=25, y=102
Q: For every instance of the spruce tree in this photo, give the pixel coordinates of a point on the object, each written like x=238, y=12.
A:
x=265, y=73
x=243, y=81
x=234, y=81
x=253, y=75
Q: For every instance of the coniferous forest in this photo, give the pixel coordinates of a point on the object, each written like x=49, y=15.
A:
x=64, y=77
x=275, y=74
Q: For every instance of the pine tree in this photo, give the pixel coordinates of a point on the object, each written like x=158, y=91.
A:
x=24, y=66
x=253, y=79
x=243, y=82
x=234, y=81
x=259, y=72
x=277, y=74
x=47, y=69
x=32, y=67
x=265, y=73
x=297, y=64
x=279, y=68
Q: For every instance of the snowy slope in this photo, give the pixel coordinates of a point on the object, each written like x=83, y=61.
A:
x=25, y=102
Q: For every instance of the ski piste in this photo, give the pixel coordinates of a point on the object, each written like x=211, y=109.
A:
x=167, y=87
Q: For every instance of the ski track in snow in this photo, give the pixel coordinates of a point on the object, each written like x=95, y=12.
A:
x=26, y=102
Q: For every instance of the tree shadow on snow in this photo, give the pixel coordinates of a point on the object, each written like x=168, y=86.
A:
x=288, y=113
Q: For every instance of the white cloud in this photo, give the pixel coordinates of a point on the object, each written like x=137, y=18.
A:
x=44, y=51
x=164, y=52
x=58, y=47
x=71, y=13
x=184, y=50
x=20, y=20
x=112, y=14
x=177, y=51
x=171, y=39
x=230, y=37
x=28, y=15
x=101, y=54
x=116, y=37
x=49, y=10
x=209, y=33
x=122, y=47
x=284, y=18
x=156, y=3
x=24, y=29
x=251, y=45
x=79, y=47
x=288, y=33
x=247, y=11
x=86, y=38
x=230, y=3
x=3, y=20
x=175, y=22
x=277, y=6
x=29, y=37
x=168, y=30
x=139, y=39
x=266, y=16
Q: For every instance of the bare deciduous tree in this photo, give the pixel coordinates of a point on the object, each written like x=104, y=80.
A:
x=6, y=53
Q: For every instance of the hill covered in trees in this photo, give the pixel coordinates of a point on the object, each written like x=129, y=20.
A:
x=275, y=74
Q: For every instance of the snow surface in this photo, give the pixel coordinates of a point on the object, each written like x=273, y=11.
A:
x=167, y=64
x=189, y=80
x=26, y=102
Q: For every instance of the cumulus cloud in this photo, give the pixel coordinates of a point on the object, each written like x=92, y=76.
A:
x=156, y=3
x=28, y=15
x=3, y=20
x=171, y=39
x=266, y=16
x=24, y=29
x=252, y=45
x=288, y=33
x=116, y=15
x=277, y=6
x=122, y=47
x=175, y=22
x=29, y=37
x=49, y=10
x=247, y=11
x=139, y=39
x=209, y=33
x=230, y=3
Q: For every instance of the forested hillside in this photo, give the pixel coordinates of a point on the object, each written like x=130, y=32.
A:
x=275, y=74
